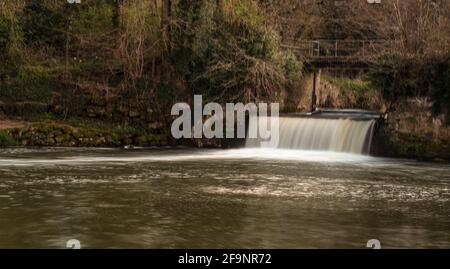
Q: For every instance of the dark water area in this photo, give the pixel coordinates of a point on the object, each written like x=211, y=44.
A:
x=247, y=198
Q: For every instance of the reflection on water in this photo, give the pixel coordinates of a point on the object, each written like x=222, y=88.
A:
x=251, y=198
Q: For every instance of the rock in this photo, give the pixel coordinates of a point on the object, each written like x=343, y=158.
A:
x=96, y=111
x=108, y=140
x=50, y=141
x=12, y=109
x=72, y=143
x=57, y=133
x=140, y=140
x=127, y=141
x=33, y=108
x=57, y=109
x=154, y=126
x=100, y=141
x=122, y=109
x=60, y=139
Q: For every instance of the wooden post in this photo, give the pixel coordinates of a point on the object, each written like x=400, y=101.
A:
x=314, y=96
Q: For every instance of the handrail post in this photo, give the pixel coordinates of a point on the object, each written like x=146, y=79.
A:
x=336, y=48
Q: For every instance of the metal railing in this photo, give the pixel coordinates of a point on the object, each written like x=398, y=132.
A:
x=317, y=50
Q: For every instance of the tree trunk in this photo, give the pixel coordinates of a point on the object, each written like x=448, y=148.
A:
x=220, y=5
x=116, y=13
x=165, y=21
x=165, y=38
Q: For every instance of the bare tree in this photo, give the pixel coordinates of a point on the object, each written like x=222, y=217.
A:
x=165, y=22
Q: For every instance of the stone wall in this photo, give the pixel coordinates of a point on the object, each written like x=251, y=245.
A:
x=145, y=125
x=50, y=134
x=111, y=108
x=23, y=109
x=412, y=131
x=114, y=108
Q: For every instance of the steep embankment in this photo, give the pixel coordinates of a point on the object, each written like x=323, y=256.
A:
x=412, y=131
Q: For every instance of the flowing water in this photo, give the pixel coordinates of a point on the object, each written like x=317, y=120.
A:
x=247, y=198
x=337, y=135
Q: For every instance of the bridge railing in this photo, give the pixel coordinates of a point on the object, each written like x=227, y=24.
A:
x=323, y=50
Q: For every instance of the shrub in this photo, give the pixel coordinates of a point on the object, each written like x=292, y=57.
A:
x=6, y=140
x=4, y=33
x=402, y=77
x=27, y=82
x=397, y=77
x=358, y=93
x=10, y=29
x=44, y=24
x=440, y=85
x=232, y=54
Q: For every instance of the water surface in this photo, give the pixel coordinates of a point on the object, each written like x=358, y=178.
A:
x=248, y=198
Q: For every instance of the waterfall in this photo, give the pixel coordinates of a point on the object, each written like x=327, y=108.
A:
x=338, y=135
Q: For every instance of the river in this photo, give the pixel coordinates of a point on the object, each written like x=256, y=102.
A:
x=245, y=198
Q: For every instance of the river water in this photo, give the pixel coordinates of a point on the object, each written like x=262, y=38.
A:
x=247, y=198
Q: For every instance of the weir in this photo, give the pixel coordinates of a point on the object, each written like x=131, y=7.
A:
x=347, y=131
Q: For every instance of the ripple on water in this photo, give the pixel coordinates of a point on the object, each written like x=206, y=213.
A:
x=336, y=189
x=215, y=198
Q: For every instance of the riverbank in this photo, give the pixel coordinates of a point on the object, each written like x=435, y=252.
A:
x=413, y=131
x=84, y=133
x=410, y=129
x=75, y=133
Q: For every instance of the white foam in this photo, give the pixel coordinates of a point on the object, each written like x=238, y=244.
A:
x=236, y=154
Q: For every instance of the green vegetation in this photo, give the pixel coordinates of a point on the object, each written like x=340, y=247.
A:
x=355, y=92
x=399, y=77
x=412, y=145
x=112, y=69
x=439, y=87
x=228, y=50
x=232, y=53
x=225, y=52
x=349, y=85
x=6, y=140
